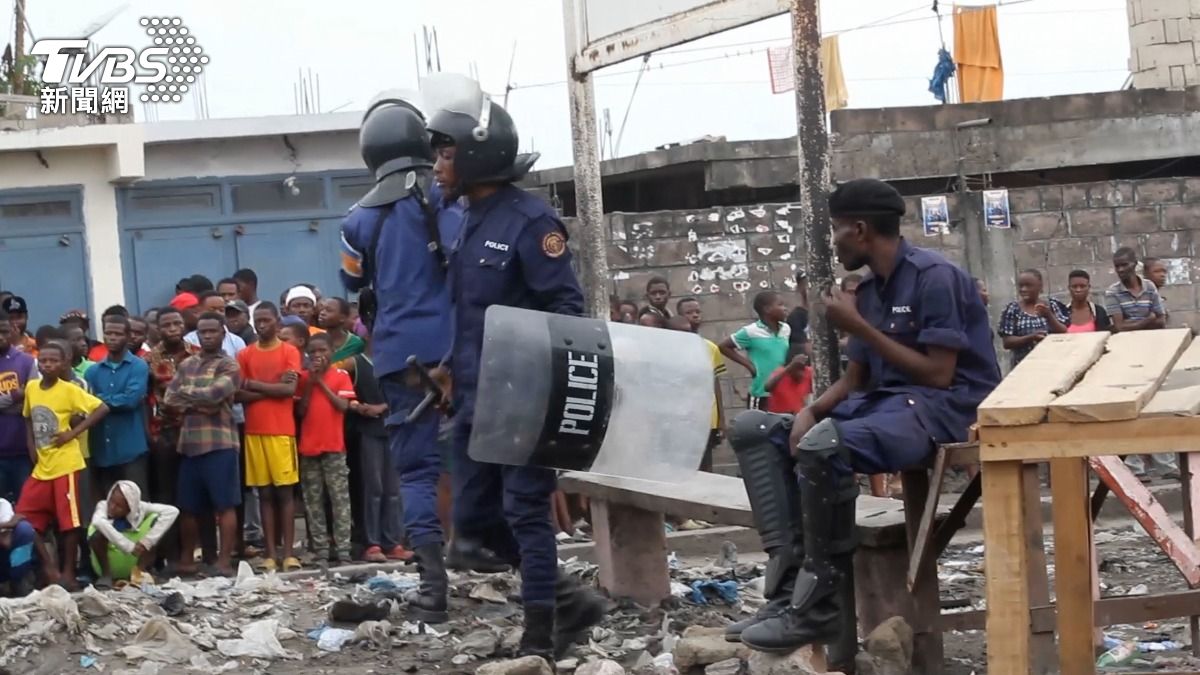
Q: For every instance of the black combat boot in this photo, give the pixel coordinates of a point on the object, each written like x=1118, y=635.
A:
x=428, y=602
x=759, y=441
x=469, y=555
x=538, y=638
x=828, y=492
x=576, y=610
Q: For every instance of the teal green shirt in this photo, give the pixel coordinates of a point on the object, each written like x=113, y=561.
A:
x=766, y=350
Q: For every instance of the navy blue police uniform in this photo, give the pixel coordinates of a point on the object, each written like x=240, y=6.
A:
x=512, y=251
x=413, y=319
x=803, y=497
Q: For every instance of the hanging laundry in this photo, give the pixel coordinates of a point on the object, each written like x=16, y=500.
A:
x=836, y=95
x=942, y=72
x=783, y=73
x=977, y=53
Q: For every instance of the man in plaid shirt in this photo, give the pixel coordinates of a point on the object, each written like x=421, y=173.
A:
x=209, y=467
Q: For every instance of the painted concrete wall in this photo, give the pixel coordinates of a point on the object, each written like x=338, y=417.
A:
x=102, y=158
x=723, y=256
x=88, y=168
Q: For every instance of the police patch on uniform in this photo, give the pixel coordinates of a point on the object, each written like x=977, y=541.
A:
x=554, y=244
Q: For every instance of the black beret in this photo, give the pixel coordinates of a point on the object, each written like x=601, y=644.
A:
x=865, y=196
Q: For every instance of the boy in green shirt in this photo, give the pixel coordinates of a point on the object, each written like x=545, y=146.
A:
x=761, y=347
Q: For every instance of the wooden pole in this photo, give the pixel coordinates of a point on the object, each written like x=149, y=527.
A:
x=18, y=74
x=812, y=139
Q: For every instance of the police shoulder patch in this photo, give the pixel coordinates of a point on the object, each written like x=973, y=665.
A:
x=554, y=244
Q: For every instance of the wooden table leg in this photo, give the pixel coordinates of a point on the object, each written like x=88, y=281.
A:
x=1007, y=569
x=1041, y=644
x=1189, y=465
x=631, y=552
x=1072, y=553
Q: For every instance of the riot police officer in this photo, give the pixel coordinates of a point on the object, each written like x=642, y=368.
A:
x=512, y=250
x=393, y=253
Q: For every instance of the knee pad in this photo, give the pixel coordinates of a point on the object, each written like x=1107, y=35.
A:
x=755, y=427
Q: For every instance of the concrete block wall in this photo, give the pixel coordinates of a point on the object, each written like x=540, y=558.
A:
x=1164, y=43
x=724, y=255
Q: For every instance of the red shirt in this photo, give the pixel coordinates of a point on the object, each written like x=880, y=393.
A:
x=269, y=416
x=321, y=429
x=789, y=393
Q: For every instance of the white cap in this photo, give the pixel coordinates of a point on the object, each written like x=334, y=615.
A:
x=297, y=292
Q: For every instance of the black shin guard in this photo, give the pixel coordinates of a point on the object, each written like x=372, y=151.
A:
x=769, y=474
x=828, y=494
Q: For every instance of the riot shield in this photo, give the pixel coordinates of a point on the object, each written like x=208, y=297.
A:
x=584, y=394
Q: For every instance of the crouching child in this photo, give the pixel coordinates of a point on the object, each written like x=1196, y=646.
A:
x=124, y=532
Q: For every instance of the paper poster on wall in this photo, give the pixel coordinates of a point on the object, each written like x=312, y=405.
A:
x=995, y=209
x=935, y=214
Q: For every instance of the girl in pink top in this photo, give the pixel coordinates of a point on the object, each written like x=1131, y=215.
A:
x=1086, y=316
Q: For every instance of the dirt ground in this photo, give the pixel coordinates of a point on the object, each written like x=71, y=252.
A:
x=41, y=636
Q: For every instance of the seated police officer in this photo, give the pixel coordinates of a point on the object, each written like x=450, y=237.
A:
x=921, y=361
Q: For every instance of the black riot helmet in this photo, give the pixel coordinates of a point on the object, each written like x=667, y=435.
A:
x=394, y=142
x=485, y=139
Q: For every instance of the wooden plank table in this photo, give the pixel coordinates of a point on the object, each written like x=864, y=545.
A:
x=1113, y=409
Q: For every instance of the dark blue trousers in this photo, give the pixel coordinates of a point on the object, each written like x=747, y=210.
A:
x=415, y=455
x=17, y=560
x=507, y=509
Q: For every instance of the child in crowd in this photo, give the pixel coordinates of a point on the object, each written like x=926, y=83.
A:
x=17, y=542
x=790, y=386
x=383, y=530
x=658, y=294
x=295, y=333
x=50, y=495
x=325, y=395
x=123, y=533
x=688, y=321
x=270, y=373
x=762, y=346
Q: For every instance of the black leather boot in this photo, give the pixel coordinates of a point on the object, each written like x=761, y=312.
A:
x=828, y=492
x=468, y=555
x=428, y=602
x=759, y=441
x=538, y=638
x=576, y=610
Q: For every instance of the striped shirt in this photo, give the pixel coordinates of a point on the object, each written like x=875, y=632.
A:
x=203, y=389
x=1120, y=300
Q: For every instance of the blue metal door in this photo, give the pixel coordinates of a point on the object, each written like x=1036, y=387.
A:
x=164, y=256
x=49, y=271
x=287, y=253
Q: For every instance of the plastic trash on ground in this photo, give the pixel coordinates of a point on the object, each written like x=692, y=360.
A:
x=726, y=591
x=333, y=639
x=258, y=641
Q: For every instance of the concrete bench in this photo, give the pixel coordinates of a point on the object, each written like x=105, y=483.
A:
x=631, y=550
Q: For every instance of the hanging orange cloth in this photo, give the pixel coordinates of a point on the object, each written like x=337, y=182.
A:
x=836, y=96
x=977, y=53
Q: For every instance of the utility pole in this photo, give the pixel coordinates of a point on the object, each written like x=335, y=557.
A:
x=18, y=74
x=589, y=208
x=813, y=178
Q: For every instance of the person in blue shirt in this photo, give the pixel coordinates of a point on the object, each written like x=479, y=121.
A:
x=393, y=255
x=921, y=361
x=512, y=251
x=119, y=450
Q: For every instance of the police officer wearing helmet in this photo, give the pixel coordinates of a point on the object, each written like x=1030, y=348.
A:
x=512, y=250
x=393, y=253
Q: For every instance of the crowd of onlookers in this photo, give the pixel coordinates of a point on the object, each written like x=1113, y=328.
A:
x=198, y=425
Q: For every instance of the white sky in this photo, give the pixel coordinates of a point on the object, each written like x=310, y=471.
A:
x=359, y=47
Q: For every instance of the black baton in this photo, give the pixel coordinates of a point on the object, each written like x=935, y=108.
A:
x=435, y=391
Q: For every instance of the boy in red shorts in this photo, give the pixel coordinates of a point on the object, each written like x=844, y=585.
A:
x=50, y=496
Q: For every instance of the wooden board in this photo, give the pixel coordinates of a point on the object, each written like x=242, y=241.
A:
x=1050, y=370
x=1073, y=551
x=1180, y=392
x=722, y=500
x=1120, y=384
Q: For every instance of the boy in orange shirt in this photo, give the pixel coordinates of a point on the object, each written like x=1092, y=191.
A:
x=270, y=371
x=325, y=396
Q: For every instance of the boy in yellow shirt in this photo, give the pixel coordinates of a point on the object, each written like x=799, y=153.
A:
x=51, y=494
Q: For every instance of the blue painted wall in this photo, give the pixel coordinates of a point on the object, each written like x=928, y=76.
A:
x=43, y=254
x=215, y=226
